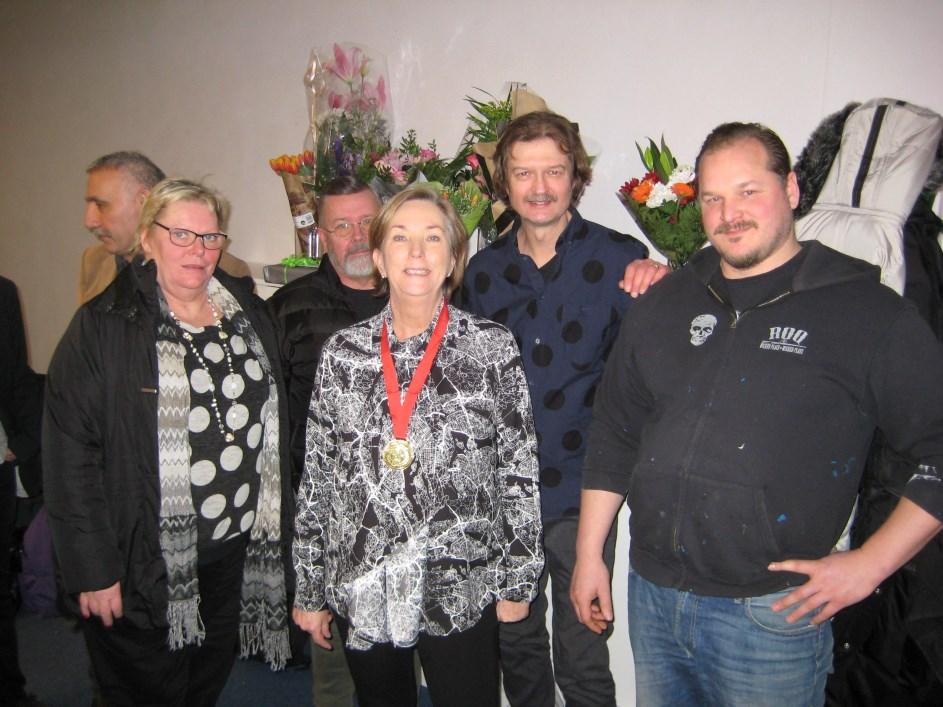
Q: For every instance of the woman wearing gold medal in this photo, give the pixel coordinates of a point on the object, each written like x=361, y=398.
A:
x=418, y=521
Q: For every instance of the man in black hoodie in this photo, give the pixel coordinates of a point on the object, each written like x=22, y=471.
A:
x=736, y=413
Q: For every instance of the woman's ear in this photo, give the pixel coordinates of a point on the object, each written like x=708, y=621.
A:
x=144, y=244
x=378, y=263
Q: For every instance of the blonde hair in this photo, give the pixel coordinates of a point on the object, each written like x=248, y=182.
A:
x=171, y=191
x=454, y=229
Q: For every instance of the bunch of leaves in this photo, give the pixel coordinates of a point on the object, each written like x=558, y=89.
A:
x=468, y=199
x=658, y=160
x=486, y=120
x=674, y=230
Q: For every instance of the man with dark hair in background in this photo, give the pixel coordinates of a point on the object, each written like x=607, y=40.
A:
x=553, y=280
x=735, y=414
x=118, y=184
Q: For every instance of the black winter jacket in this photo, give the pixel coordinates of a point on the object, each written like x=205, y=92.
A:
x=307, y=312
x=100, y=442
x=743, y=441
x=21, y=394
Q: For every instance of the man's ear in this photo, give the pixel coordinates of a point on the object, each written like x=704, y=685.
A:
x=792, y=189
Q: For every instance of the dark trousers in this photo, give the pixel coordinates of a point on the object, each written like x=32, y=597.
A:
x=11, y=678
x=134, y=666
x=461, y=669
x=580, y=657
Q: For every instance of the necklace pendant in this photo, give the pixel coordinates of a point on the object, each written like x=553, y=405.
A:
x=230, y=437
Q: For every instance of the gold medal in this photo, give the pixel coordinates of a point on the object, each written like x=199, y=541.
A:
x=398, y=454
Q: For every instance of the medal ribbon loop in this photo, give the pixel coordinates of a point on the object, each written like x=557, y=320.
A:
x=402, y=409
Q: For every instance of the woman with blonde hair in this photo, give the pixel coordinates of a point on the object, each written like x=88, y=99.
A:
x=165, y=444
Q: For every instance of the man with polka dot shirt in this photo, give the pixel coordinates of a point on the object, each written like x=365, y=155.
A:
x=554, y=281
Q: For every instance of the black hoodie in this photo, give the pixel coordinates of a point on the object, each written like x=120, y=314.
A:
x=740, y=438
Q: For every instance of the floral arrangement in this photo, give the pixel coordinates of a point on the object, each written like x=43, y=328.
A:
x=350, y=113
x=349, y=134
x=664, y=205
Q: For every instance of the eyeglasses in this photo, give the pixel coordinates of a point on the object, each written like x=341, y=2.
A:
x=183, y=237
x=345, y=229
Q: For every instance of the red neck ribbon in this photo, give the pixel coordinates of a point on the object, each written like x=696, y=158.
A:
x=401, y=410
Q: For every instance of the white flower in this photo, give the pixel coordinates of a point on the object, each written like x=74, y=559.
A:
x=660, y=194
x=682, y=174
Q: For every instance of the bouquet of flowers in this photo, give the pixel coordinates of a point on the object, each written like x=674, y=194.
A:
x=349, y=135
x=297, y=173
x=663, y=204
x=454, y=179
x=349, y=112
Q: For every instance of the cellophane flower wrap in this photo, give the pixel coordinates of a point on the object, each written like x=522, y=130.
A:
x=664, y=204
x=350, y=111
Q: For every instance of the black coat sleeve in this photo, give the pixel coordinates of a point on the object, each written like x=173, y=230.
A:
x=87, y=545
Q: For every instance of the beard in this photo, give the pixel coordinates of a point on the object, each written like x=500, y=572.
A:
x=761, y=252
x=357, y=264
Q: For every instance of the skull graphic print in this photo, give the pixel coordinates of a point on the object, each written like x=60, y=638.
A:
x=702, y=326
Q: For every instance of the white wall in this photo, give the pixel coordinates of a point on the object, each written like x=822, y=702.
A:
x=213, y=88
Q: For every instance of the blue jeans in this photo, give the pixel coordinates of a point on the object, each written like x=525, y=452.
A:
x=699, y=650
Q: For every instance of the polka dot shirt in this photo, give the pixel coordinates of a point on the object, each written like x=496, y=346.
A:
x=224, y=478
x=565, y=317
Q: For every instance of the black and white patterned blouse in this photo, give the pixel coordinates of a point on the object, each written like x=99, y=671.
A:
x=425, y=550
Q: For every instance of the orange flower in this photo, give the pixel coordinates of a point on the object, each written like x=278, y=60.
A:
x=642, y=191
x=684, y=191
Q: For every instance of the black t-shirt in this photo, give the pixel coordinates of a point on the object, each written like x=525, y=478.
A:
x=748, y=292
x=364, y=303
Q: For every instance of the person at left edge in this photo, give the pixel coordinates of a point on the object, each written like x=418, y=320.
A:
x=164, y=438
x=419, y=526
x=20, y=421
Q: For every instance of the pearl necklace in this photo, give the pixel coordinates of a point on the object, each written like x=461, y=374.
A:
x=228, y=436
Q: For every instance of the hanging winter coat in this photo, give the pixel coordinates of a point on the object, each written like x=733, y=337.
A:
x=887, y=150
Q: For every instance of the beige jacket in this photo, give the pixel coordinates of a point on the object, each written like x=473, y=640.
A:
x=99, y=269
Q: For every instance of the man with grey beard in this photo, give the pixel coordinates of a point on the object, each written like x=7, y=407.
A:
x=306, y=313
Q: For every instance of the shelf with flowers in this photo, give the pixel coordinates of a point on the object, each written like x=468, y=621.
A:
x=664, y=204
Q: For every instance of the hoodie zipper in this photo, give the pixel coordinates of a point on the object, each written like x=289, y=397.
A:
x=735, y=318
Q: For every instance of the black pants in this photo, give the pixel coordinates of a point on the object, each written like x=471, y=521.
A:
x=580, y=657
x=461, y=669
x=11, y=678
x=134, y=666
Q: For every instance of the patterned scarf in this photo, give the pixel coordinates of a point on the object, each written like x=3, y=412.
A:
x=263, y=611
